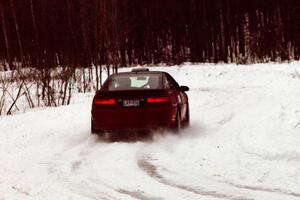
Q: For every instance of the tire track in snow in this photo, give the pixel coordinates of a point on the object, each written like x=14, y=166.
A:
x=83, y=186
x=264, y=155
x=261, y=189
x=87, y=189
x=67, y=177
x=287, y=156
x=264, y=189
x=138, y=195
x=151, y=170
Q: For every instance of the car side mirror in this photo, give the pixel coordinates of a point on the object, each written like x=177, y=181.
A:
x=184, y=88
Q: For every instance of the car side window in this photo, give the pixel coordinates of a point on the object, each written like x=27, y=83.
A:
x=166, y=84
x=172, y=83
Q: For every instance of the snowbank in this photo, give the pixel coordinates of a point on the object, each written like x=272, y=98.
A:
x=243, y=143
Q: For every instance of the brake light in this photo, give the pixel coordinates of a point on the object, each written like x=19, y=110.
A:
x=105, y=101
x=158, y=99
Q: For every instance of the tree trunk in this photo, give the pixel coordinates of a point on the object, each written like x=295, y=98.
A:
x=13, y=10
x=5, y=37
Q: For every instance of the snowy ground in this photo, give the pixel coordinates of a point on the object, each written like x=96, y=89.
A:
x=243, y=143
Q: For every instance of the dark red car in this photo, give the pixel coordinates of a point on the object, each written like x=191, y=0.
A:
x=140, y=100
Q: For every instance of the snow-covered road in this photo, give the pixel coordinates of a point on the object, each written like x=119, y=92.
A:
x=243, y=143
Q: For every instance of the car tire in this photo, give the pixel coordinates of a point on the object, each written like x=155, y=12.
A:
x=94, y=131
x=177, y=125
x=112, y=136
x=186, y=123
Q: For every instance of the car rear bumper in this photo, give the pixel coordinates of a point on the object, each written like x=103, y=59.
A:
x=133, y=118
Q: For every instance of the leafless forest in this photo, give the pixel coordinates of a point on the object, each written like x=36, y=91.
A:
x=49, y=46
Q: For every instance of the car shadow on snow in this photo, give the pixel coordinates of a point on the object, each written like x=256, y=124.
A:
x=125, y=136
x=149, y=136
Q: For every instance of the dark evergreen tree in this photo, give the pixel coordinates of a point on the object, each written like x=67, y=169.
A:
x=48, y=33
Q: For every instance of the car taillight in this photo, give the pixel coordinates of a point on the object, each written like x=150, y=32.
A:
x=157, y=99
x=105, y=101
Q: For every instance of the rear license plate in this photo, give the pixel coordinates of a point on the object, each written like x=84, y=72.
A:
x=131, y=103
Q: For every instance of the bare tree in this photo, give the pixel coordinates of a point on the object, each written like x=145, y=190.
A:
x=4, y=29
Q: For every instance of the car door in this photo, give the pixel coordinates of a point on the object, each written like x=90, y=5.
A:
x=178, y=96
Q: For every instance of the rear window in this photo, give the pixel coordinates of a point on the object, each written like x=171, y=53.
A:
x=133, y=82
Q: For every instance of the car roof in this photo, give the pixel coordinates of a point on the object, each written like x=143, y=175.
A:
x=140, y=72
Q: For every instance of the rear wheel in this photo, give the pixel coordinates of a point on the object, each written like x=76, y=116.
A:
x=186, y=122
x=94, y=131
x=177, y=125
x=112, y=136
